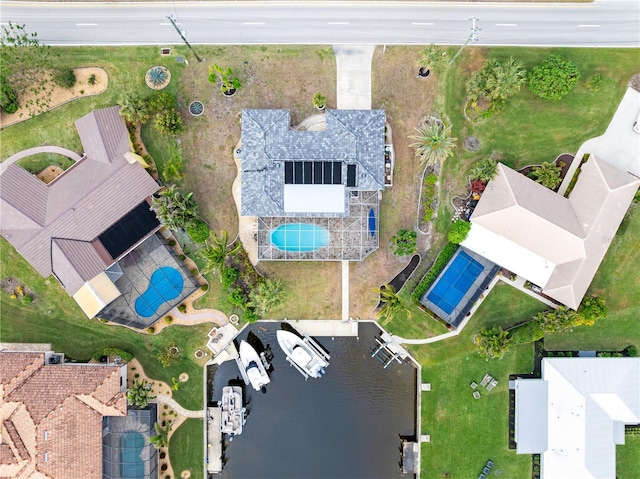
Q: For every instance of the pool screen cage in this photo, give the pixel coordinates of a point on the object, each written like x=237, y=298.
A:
x=132, y=276
x=126, y=450
x=352, y=237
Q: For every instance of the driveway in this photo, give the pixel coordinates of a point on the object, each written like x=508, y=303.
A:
x=353, y=68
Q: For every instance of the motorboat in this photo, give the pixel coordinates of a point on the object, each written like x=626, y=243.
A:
x=232, y=413
x=304, y=353
x=254, y=371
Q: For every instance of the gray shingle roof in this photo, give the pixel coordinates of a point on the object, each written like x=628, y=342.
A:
x=52, y=226
x=353, y=137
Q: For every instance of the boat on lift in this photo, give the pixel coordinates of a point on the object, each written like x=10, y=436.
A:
x=232, y=413
x=253, y=367
x=304, y=353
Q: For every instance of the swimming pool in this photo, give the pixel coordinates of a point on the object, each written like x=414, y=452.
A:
x=299, y=237
x=131, y=465
x=454, y=282
x=166, y=283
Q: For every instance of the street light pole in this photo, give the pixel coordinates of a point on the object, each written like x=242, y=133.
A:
x=472, y=37
x=183, y=38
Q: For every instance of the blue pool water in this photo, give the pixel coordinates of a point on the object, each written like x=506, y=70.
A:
x=131, y=465
x=299, y=237
x=454, y=282
x=166, y=284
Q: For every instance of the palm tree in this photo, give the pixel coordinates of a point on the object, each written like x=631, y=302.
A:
x=434, y=142
x=492, y=342
x=269, y=295
x=319, y=101
x=432, y=58
x=390, y=303
x=161, y=439
x=139, y=394
x=216, y=251
x=505, y=79
x=547, y=174
x=135, y=109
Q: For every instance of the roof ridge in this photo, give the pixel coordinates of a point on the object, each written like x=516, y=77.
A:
x=26, y=377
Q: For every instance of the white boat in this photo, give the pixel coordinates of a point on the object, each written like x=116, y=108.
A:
x=254, y=370
x=304, y=353
x=232, y=413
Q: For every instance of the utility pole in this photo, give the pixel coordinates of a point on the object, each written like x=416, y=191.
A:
x=472, y=37
x=183, y=38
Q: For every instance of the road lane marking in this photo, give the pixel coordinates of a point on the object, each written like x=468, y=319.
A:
x=421, y=23
x=253, y=23
x=337, y=23
x=506, y=24
x=587, y=26
x=86, y=24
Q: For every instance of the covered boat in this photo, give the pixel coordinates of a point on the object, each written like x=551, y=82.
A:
x=232, y=413
x=304, y=353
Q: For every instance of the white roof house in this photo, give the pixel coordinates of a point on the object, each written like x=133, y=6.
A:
x=555, y=242
x=574, y=416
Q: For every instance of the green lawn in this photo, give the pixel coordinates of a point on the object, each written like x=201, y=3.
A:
x=187, y=448
x=628, y=458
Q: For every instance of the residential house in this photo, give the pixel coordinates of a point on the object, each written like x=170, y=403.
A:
x=574, y=416
x=554, y=242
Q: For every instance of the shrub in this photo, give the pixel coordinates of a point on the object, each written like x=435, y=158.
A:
x=438, y=265
x=27, y=299
x=404, y=243
x=8, y=98
x=126, y=356
x=182, y=257
x=161, y=101
x=198, y=231
x=228, y=277
x=526, y=333
x=204, y=287
x=594, y=82
x=459, y=231
x=182, y=308
x=483, y=170
x=237, y=297
x=428, y=196
x=172, y=168
x=169, y=122
x=251, y=315
x=92, y=79
x=172, y=243
x=492, y=342
x=548, y=175
x=319, y=101
x=477, y=186
x=630, y=351
x=553, y=78
x=496, y=81
x=168, y=320
x=150, y=330
x=591, y=309
x=65, y=78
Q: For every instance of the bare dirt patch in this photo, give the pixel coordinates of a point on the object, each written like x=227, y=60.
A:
x=60, y=96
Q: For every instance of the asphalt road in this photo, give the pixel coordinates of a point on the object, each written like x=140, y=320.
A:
x=604, y=23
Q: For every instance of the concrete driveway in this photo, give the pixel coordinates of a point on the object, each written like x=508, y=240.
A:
x=353, y=72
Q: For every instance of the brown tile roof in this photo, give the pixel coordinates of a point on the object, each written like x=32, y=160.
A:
x=48, y=223
x=53, y=415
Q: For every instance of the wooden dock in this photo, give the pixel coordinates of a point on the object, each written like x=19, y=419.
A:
x=214, y=441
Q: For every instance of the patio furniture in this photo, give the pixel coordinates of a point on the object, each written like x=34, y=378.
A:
x=485, y=380
x=476, y=394
x=473, y=385
x=486, y=470
x=482, y=476
x=492, y=385
x=490, y=464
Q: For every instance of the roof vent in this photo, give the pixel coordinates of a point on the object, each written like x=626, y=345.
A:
x=46, y=457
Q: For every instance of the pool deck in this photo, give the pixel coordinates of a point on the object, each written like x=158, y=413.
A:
x=214, y=441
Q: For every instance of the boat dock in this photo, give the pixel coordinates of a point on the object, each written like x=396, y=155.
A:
x=214, y=441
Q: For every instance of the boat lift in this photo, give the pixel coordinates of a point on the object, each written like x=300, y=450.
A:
x=316, y=347
x=388, y=351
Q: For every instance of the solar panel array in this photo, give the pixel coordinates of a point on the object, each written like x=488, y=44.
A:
x=312, y=172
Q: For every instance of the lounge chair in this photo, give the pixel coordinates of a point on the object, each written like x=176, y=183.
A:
x=476, y=394
x=473, y=385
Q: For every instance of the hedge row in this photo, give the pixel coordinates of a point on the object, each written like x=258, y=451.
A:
x=438, y=265
x=126, y=357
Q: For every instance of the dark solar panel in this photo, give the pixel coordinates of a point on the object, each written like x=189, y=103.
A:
x=337, y=173
x=129, y=230
x=351, y=175
x=288, y=173
x=297, y=168
x=317, y=172
x=308, y=173
x=326, y=168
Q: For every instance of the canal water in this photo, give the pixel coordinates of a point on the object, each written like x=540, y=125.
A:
x=348, y=424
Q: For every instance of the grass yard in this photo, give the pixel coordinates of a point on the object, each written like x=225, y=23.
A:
x=458, y=423
x=628, y=458
x=187, y=449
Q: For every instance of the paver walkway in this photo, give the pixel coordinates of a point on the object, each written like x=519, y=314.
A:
x=353, y=74
x=161, y=399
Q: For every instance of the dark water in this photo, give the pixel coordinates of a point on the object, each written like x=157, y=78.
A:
x=346, y=424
